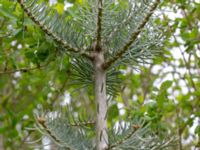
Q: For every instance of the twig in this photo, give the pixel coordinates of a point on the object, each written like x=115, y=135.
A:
x=133, y=37
x=180, y=130
x=81, y=124
x=166, y=144
x=187, y=65
x=121, y=141
x=24, y=70
x=57, y=94
x=25, y=139
x=6, y=35
x=41, y=121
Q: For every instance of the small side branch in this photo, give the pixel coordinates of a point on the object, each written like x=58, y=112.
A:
x=121, y=141
x=23, y=70
x=42, y=122
x=133, y=37
x=48, y=31
x=83, y=124
x=97, y=45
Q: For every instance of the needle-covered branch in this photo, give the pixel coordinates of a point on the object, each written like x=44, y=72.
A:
x=121, y=141
x=66, y=131
x=97, y=45
x=42, y=122
x=105, y=32
x=133, y=37
x=47, y=29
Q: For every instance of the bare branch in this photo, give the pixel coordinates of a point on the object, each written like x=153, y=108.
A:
x=23, y=69
x=5, y=35
x=133, y=37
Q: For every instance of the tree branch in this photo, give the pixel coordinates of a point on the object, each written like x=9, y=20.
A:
x=48, y=31
x=23, y=69
x=97, y=46
x=133, y=37
x=42, y=122
x=82, y=124
x=121, y=141
x=186, y=63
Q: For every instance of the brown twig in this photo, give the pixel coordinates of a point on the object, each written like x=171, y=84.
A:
x=23, y=70
x=41, y=121
x=121, y=141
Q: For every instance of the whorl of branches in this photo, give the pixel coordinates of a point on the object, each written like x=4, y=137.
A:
x=119, y=43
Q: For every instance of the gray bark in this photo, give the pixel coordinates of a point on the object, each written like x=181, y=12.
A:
x=101, y=102
x=1, y=142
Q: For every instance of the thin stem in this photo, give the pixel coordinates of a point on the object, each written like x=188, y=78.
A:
x=24, y=70
x=121, y=141
x=42, y=122
x=186, y=63
x=180, y=130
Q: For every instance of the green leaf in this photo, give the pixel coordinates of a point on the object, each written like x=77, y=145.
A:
x=113, y=112
x=162, y=95
x=197, y=130
x=165, y=85
x=6, y=13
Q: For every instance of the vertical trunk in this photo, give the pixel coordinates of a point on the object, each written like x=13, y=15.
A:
x=101, y=102
x=1, y=142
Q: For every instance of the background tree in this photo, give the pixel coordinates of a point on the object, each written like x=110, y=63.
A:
x=21, y=89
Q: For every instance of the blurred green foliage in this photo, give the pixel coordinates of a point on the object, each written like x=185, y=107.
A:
x=34, y=74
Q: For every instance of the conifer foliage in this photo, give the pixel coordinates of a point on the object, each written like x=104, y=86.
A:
x=100, y=36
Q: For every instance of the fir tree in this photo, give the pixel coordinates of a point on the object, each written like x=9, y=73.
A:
x=101, y=36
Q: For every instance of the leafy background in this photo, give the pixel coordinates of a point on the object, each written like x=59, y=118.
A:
x=36, y=74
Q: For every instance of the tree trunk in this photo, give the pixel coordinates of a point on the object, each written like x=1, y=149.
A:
x=101, y=102
x=1, y=142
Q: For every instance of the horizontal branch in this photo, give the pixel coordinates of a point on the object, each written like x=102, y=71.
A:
x=23, y=69
x=81, y=124
x=133, y=37
x=48, y=31
x=6, y=35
